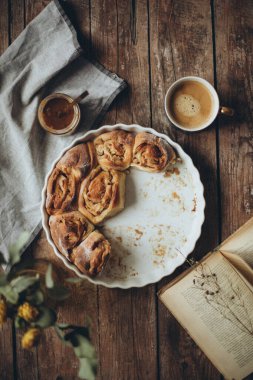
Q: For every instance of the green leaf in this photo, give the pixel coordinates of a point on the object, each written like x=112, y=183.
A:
x=46, y=318
x=85, y=348
x=74, y=280
x=87, y=369
x=9, y=293
x=36, y=298
x=49, y=277
x=60, y=333
x=58, y=293
x=3, y=279
x=16, y=248
x=21, y=283
x=19, y=323
x=2, y=259
x=63, y=326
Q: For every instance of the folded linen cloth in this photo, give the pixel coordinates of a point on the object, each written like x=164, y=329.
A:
x=45, y=58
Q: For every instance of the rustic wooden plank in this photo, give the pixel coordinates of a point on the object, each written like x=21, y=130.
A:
x=234, y=51
x=79, y=14
x=4, y=25
x=104, y=40
x=7, y=362
x=26, y=362
x=180, y=45
x=17, y=18
x=127, y=335
x=58, y=360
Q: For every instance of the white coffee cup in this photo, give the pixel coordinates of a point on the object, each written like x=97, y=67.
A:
x=216, y=108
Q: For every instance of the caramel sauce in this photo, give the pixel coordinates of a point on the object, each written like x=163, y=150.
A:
x=58, y=113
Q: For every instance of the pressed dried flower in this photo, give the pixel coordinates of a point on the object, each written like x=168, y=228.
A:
x=3, y=312
x=28, y=312
x=31, y=338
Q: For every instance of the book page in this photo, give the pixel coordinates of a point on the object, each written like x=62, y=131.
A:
x=241, y=243
x=241, y=266
x=215, y=306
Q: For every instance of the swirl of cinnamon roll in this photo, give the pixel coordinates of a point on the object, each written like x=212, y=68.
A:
x=151, y=153
x=91, y=254
x=114, y=149
x=102, y=194
x=79, y=160
x=61, y=192
x=68, y=230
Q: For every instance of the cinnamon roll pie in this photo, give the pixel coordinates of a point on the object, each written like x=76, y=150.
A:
x=68, y=230
x=61, y=192
x=91, y=254
x=151, y=153
x=114, y=149
x=102, y=194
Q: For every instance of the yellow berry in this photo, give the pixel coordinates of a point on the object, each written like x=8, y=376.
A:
x=31, y=338
x=3, y=312
x=28, y=312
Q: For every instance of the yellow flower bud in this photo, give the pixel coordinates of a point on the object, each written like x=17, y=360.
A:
x=31, y=338
x=3, y=312
x=28, y=312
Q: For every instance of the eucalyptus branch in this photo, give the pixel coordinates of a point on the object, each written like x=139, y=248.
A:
x=25, y=299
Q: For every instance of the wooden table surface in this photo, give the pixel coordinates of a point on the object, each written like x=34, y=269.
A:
x=151, y=44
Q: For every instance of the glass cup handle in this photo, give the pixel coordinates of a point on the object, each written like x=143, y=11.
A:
x=227, y=111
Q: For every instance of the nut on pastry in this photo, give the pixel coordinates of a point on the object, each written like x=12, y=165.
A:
x=102, y=194
x=114, y=149
x=151, y=153
x=92, y=254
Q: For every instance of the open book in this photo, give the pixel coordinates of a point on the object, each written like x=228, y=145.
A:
x=213, y=301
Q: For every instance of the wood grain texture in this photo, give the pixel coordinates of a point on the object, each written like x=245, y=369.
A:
x=234, y=52
x=123, y=314
x=104, y=40
x=150, y=44
x=180, y=45
x=7, y=361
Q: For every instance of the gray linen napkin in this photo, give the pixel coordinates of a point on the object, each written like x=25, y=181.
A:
x=45, y=58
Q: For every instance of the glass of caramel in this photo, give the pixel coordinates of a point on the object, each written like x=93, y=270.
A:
x=59, y=114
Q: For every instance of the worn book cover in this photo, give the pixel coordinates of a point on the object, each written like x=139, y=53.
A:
x=213, y=301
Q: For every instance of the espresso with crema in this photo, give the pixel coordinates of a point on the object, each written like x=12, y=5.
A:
x=191, y=104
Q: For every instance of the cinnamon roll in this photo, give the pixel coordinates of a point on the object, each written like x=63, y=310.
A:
x=92, y=254
x=68, y=230
x=151, y=153
x=61, y=192
x=114, y=149
x=79, y=159
x=102, y=194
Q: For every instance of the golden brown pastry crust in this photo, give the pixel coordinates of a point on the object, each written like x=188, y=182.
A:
x=102, y=194
x=92, y=254
x=151, y=153
x=68, y=230
x=79, y=160
x=61, y=192
x=114, y=149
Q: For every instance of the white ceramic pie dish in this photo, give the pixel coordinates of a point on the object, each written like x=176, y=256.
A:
x=159, y=226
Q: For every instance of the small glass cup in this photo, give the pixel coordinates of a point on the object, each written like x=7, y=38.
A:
x=74, y=123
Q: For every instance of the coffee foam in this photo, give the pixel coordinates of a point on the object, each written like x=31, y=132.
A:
x=191, y=104
x=187, y=105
